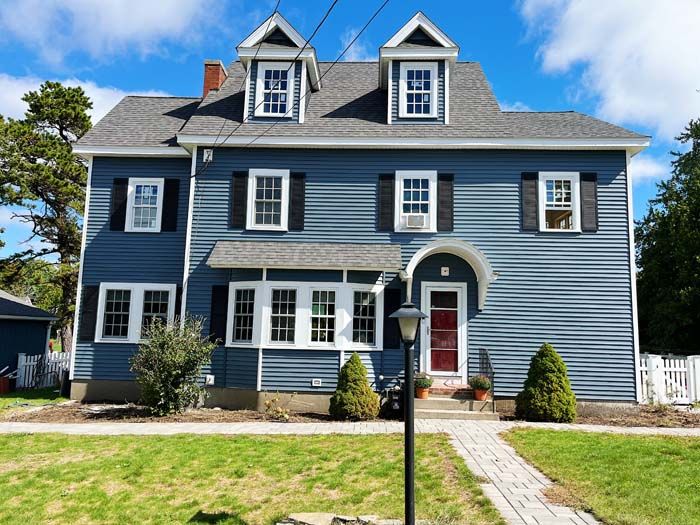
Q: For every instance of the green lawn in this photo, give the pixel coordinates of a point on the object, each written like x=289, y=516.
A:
x=229, y=479
x=39, y=396
x=622, y=479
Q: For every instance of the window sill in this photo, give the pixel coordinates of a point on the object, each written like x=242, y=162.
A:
x=560, y=231
x=414, y=230
x=118, y=341
x=142, y=231
x=417, y=115
x=266, y=228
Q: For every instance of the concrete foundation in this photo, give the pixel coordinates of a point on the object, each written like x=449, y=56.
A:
x=112, y=391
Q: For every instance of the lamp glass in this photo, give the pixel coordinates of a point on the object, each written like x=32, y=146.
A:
x=409, y=328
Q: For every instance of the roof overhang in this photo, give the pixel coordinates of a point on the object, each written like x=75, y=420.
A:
x=130, y=151
x=27, y=318
x=632, y=145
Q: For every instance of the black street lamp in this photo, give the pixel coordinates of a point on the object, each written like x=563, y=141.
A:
x=409, y=318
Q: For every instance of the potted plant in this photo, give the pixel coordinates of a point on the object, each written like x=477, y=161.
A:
x=423, y=382
x=481, y=386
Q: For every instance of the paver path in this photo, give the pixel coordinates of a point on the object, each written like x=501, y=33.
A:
x=514, y=486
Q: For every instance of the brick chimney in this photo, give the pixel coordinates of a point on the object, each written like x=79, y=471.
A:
x=214, y=75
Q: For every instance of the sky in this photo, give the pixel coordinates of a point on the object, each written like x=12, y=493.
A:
x=630, y=62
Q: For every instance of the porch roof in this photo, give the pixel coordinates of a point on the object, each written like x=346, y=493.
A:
x=311, y=255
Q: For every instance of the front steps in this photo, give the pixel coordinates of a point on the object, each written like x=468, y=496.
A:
x=459, y=404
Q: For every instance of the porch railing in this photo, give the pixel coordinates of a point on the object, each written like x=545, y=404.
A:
x=485, y=368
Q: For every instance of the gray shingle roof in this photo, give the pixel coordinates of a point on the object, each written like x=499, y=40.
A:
x=284, y=254
x=142, y=121
x=11, y=306
x=350, y=104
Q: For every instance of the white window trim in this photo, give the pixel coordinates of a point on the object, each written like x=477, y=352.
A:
x=574, y=177
x=135, y=308
x=405, y=66
x=398, y=200
x=131, y=194
x=250, y=215
x=260, y=84
x=302, y=329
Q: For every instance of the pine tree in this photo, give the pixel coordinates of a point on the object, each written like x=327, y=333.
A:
x=547, y=394
x=353, y=397
x=44, y=179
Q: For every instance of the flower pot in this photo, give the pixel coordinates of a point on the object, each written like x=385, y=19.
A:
x=422, y=393
x=480, y=395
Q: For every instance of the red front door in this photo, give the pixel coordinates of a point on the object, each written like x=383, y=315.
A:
x=444, y=330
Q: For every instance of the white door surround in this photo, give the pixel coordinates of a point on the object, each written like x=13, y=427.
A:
x=461, y=289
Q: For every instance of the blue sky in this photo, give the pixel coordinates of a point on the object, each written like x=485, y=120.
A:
x=622, y=61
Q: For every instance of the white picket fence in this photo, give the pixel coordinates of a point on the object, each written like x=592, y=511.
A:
x=39, y=371
x=670, y=378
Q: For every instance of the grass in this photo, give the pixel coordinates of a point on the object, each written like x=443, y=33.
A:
x=233, y=480
x=622, y=479
x=36, y=397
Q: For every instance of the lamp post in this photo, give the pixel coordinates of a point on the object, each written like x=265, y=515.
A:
x=409, y=318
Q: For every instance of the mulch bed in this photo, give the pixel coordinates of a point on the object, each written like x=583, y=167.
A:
x=646, y=416
x=96, y=413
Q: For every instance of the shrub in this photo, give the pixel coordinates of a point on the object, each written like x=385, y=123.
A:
x=547, y=394
x=480, y=382
x=274, y=409
x=423, y=380
x=168, y=365
x=353, y=397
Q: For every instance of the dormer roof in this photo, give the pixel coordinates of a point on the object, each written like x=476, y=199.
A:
x=418, y=39
x=276, y=39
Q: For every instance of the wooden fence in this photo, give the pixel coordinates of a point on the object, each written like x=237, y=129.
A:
x=669, y=379
x=39, y=371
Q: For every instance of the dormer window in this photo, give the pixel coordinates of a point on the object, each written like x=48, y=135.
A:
x=417, y=90
x=274, y=89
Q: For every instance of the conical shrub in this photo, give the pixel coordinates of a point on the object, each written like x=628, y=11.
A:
x=547, y=394
x=353, y=397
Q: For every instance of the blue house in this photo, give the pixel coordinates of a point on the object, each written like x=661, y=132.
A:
x=297, y=203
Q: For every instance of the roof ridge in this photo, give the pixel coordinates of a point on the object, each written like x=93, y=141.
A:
x=554, y=111
x=162, y=96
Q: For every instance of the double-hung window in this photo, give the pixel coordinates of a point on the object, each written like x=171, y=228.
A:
x=274, y=89
x=418, y=90
x=364, y=318
x=559, y=201
x=416, y=201
x=144, y=205
x=243, y=315
x=323, y=316
x=283, y=308
x=268, y=199
x=125, y=311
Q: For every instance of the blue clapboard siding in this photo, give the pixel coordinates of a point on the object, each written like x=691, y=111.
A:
x=395, y=79
x=295, y=77
x=20, y=337
x=293, y=370
x=572, y=290
x=235, y=367
x=116, y=256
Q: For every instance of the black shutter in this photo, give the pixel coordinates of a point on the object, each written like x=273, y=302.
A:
x=385, y=203
x=171, y=197
x=297, y=197
x=117, y=212
x=88, y=313
x=528, y=201
x=178, y=302
x=219, y=311
x=445, y=202
x=589, y=202
x=239, y=199
x=392, y=302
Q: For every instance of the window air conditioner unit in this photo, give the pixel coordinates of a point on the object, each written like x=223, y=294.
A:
x=416, y=221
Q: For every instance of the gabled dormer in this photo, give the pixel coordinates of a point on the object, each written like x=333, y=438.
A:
x=414, y=68
x=281, y=69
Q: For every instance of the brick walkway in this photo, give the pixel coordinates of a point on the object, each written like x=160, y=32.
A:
x=514, y=486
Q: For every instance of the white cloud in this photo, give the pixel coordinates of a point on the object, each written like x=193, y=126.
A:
x=103, y=98
x=645, y=168
x=102, y=28
x=638, y=58
x=359, y=51
x=515, y=106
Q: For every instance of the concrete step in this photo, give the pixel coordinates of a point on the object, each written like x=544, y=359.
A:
x=422, y=413
x=450, y=403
